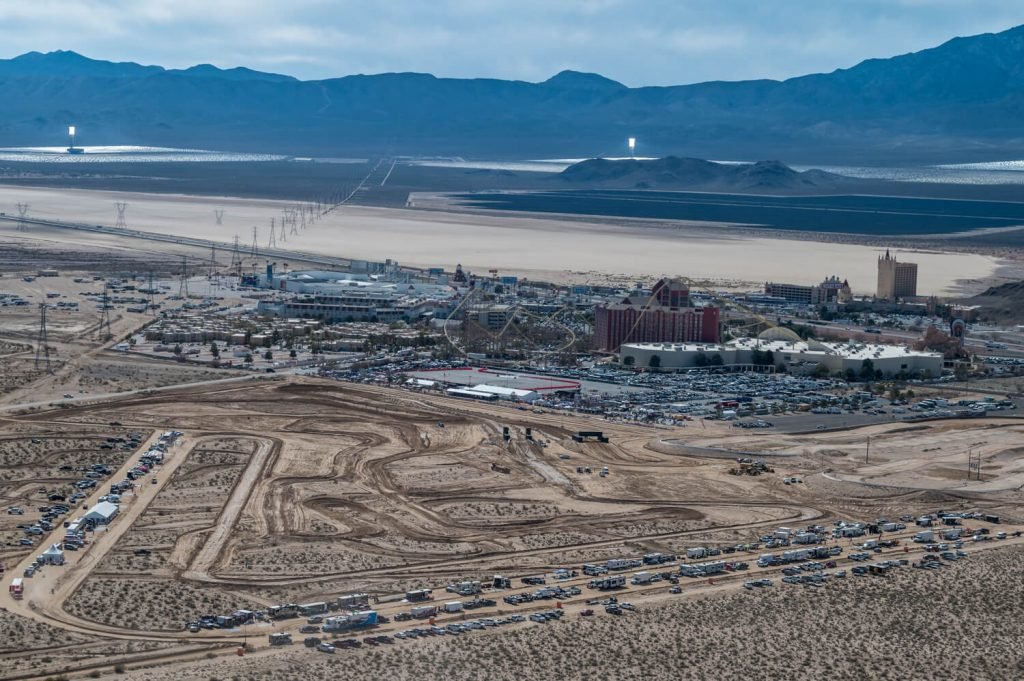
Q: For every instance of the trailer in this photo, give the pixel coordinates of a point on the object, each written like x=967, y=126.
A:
x=353, y=601
x=594, y=570
x=308, y=609
x=419, y=595
x=696, y=552
x=500, y=582
x=422, y=612
x=924, y=536
x=642, y=578
x=617, y=564
x=452, y=606
x=610, y=582
x=464, y=588
x=355, y=620
x=17, y=589
x=283, y=611
x=280, y=638
x=847, y=531
x=713, y=568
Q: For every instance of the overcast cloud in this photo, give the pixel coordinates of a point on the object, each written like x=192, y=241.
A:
x=654, y=42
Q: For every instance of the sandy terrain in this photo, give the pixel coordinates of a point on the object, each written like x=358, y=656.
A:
x=530, y=246
x=891, y=628
x=296, y=490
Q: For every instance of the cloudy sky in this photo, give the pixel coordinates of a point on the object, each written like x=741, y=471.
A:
x=638, y=42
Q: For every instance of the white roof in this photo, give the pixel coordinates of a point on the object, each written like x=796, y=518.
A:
x=104, y=509
x=465, y=392
x=849, y=350
x=54, y=550
x=498, y=390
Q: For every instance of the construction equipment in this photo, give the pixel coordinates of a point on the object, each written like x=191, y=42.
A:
x=753, y=467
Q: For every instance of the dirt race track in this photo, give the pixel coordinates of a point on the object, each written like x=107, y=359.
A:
x=298, y=490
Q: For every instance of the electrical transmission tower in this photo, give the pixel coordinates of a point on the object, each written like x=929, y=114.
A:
x=272, y=243
x=973, y=465
x=289, y=215
x=218, y=214
x=213, y=260
x=103, y=332
x=121, y=207
x=22, y=214
x=183, y=284
x=284, y=233
x=42, y=342
x=255, y=251
x=236, y=259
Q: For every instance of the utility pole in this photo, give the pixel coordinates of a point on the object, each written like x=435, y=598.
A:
x=272, y=243
x=42, y=342
x=867, y=450
x=255, y=251
x=121, y=207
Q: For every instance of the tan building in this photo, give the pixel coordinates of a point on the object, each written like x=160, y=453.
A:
x=832, y=290
x=896, y=279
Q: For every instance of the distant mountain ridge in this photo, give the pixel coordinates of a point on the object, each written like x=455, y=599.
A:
x=673, y=172
x=961, y=101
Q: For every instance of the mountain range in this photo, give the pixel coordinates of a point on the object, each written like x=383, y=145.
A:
x=672, y=172
x=960, y=101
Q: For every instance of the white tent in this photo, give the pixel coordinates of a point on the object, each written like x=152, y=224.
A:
x=53, y=555
x=102, y=513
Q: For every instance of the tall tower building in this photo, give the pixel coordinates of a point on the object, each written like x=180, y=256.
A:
x=896, y=279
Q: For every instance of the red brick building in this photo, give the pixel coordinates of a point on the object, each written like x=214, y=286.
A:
x=666, y=316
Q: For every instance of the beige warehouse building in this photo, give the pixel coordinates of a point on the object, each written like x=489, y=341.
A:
x=787, y=348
